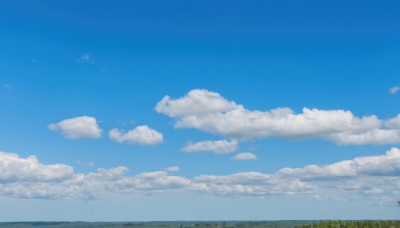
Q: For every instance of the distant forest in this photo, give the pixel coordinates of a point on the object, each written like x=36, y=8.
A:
x=229, y=224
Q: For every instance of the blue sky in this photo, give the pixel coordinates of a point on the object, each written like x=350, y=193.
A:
x=199, y=110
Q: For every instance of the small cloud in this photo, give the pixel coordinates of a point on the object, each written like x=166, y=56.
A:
x=218, y=147
x=245, y=156
x=172, y=169
x=78, y=127
x=34, y=61
x=86, y=58
x=394, y=90
x=139, y=135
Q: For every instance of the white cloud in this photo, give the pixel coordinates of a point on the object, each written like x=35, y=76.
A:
x=393, y=123
x=218, y=147
x=78, y=127
x=28, y=178
x=382, y=165
x=394, y=89
x=195, y=102
x=249, y=184
x=370, y=177
x=373, y=136
x=140, y=135
x=245, y=156
x=172, y=169
x=14, y=168
x=210, y=112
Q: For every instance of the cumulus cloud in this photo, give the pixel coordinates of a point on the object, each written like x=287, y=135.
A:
x=245, y=156
x=139, y=135
x=382, y=165
x=29, y=178
x=195, y=102
x=14, y=168
x=218, y=147
x=372, y=177
x=393, y=123
x=78, y=127
x=210, y=112
x=394, y=89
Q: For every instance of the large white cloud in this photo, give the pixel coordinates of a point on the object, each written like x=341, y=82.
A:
x=78, y=127
x=375, y=178
x=140, y=135
x=210, y=112
x=218, y=146
x=14, y=168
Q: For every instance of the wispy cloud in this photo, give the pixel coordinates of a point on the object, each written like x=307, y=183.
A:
x=172, y=169
x=210, y=112
x=88, y=164
x=104, y=70
x=7, y=86
x=86, y=58
x=394, y=90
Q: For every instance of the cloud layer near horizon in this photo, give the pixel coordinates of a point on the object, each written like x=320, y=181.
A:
x=372, y=176
x=210, y=112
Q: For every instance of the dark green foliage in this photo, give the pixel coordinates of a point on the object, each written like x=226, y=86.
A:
x=230, y=224
x=353, y=224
